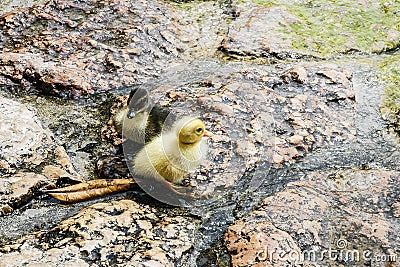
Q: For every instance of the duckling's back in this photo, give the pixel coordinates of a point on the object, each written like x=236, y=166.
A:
x=164, y=158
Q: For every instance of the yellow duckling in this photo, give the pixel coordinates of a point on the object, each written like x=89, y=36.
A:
x=161, y=164
x=175, y=153
x=140, y=121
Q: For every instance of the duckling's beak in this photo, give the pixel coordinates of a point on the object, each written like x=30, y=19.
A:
x=131, y=113
x=207, y=133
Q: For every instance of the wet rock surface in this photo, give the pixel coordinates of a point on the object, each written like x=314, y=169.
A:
x=119, y=232
x=352, y=213
x=300, y=158
x=9, y=5
x=244, y=40
x=16, y=190
x=23, y=140
x=26, y=145
x=391, y=108
x=72, y=49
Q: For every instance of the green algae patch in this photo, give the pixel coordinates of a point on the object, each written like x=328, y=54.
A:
x=331, y=27
x=389, y=71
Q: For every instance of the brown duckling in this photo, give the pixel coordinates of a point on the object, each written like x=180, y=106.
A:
x=140, y=121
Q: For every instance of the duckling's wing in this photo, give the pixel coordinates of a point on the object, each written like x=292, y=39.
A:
x=155, y=122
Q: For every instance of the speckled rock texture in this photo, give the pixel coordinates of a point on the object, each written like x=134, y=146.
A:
x=122, y=233
x=244, y=40
x=74, y=48
x=275, y=121
x=23, y=141
x=9, y=5
x=17, y=189
x=330, y=218
x=300, y=163
x=30, y=157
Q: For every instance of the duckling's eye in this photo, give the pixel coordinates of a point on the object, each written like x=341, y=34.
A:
x=199, y=130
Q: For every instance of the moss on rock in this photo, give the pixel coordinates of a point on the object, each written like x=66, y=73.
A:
x=341, y=26
x=389, y=71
